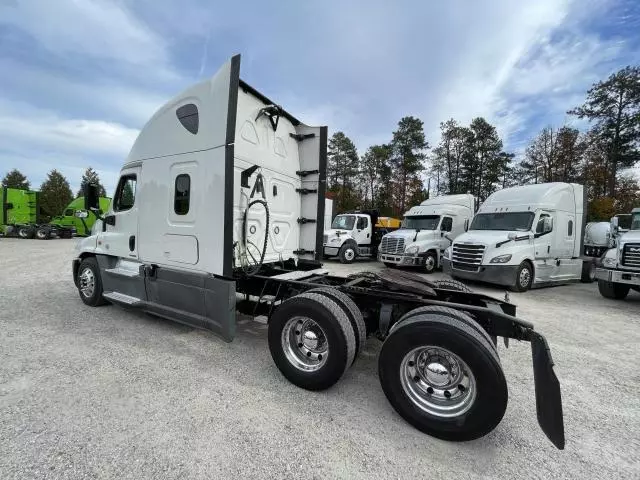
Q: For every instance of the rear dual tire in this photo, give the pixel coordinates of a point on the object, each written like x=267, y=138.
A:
x=312, y=340
x=443, y=376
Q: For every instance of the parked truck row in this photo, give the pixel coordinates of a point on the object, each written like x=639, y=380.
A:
x=21, y=214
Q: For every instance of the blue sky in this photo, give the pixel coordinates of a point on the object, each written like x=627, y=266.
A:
x=80, y=77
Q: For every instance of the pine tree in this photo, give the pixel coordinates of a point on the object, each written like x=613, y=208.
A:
x=15, y=179
x=408, y=153
x=342, y=171
x=55, y=194
x=614, y=107
x=482, y=165
x=91, y=176
x=373, y=163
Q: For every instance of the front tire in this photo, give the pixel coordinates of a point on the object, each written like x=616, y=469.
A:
x=615, y=291
x=430, y=262
x=89, y=283
x=588, y=272
x=524, y=277
x=347, y=253
x=443, y=377
x=26, y=232
x=311, y=341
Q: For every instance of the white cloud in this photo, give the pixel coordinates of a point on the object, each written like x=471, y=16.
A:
x=36, y=141
x=97, y=28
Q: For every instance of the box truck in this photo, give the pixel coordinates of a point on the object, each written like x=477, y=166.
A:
x=218, y=210
x=620, y=266
x=356, y=234
x=524, y=237
x=426, y=231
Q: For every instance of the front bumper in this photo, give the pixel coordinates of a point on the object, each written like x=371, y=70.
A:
x=618, y=276
x=330, y=251
x=496, y=274
x=401, y=259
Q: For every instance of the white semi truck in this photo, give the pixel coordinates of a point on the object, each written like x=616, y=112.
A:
x=354, y=234
x=620, y=267
x=524, y=237
x=426, y=231
x=218, y=211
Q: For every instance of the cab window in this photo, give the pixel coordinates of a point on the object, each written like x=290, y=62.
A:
x=363, y=222
x=540, y=225
x=447, y=224
x=125, y=193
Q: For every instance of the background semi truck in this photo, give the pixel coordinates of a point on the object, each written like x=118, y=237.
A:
x=620, y=267
x=356, y=234
x=426, y=231
x=218, y=210
x=524, y=237
x=80, y=225
x=21, y=216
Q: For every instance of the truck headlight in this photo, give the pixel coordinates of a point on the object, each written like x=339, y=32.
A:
x=447, y=253
x=501, y=258
x=609, y=262
x=411, y=249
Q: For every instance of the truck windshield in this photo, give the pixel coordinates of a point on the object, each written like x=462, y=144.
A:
x=422, y=222
x=635, y=221
x=343, y=222
x=520, y=221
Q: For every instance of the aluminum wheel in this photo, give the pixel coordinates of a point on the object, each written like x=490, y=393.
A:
x=525, y=277
x=87, y=282
x=430, y=263
x=438, y=381
x=304, y=344
x=349, y=254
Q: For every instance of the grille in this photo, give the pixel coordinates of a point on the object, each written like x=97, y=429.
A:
x=631, y=255
x=325, y=239
x=467, y=257
x=392, y=245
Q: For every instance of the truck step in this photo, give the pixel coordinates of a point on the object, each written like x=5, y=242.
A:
x=299, y=275
x=121, y=298
x=123, y=272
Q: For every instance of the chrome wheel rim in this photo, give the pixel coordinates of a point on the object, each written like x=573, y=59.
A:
x=23, y=233
x=349, y=254
x=430, y=263
x=437, y=381
x=87, y=282
x=525, y=277
x=305, y=344
x=40, y=234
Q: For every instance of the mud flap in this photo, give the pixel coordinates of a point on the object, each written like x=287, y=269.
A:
x=548, y=397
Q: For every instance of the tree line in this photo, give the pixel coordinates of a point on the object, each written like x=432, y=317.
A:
x=471, y=158
x=55, y=192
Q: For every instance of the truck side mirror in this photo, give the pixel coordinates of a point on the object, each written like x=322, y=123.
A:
x=90, y=197
x=615, y=225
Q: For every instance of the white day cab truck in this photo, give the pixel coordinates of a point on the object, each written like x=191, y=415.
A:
x=355, y=234
x=426, y=231
x=207, y=221
x=620, y=267
x=525, y=237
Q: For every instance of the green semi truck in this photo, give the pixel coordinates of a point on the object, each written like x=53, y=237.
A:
x=20, y=216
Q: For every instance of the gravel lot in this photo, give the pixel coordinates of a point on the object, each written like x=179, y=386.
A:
x=106, y=393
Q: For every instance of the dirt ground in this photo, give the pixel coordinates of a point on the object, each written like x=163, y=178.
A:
x=108, y=393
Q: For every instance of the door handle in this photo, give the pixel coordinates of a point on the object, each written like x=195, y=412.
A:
x=132, y=243
x=548, y=248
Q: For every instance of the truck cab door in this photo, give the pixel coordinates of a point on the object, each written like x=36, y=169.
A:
x=543, y=244
x=446, y=229
x=119, y=237
x=362, y=231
